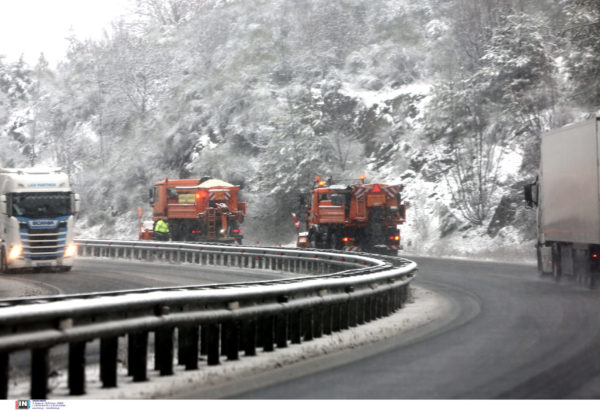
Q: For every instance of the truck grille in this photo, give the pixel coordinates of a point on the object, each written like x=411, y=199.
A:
x=43, y=244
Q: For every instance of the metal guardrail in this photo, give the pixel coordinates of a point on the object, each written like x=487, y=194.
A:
x=340, y=290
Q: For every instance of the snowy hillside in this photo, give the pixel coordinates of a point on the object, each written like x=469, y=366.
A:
x=448, y=98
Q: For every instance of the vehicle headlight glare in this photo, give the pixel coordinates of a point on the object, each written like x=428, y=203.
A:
x=15, y=252
x=71, y=251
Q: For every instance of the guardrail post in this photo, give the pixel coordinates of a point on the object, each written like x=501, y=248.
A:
x=223, y=343
x=360, y=311
x=138, y=352
x=386, y=303
x=108, y=361
x=281, y=327
x=335, y=317
x=181, y=344
x=318, y=321
x=203, y=341
x=268, y=323
x=327, y=313
x=76, y=368
x=352, y=309
x=163, y=351
x=379, y=304
x=231, y=338
x=188, y=346
x=4, y=375
x=368, y=309
x=212, y=344
x=296, y=327
x=373, y=310
x=226, y=260
x=39, y=373
x=391, y=300
x=376, y=310
x=398, y=297
x=307, y=326
x=405, y=290
x=259, y=332
x=344, y=315
x=249, y=336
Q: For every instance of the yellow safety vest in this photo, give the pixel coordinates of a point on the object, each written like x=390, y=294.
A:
x=162, y=226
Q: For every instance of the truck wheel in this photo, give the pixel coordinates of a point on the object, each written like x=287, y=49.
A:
x=590, y=273
x=313, y=239
x=556, y=263
x=3, y=262
x=540, y=262
x=333, y=241
x=589, y=280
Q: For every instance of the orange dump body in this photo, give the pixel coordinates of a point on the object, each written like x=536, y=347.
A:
x=199, y=210
x=354, y=217
x=352, y=206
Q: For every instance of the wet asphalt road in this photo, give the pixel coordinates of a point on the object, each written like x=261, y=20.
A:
x=513, y=335
x=99, y=275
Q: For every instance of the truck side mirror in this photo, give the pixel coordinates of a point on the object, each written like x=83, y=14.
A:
x=3, y=204
x=530, y=195
x=151, y=196
x=76, y=204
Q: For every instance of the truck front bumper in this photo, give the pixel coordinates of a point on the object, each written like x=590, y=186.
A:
x=46, y=263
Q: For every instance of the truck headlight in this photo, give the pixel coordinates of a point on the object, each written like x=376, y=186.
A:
x=15, y=252
x=71, y=251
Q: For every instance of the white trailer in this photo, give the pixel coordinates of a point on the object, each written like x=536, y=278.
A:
x=567, y=196
x=37, y=218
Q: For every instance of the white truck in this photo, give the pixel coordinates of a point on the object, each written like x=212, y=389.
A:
x=567, y=197
x=37, y=218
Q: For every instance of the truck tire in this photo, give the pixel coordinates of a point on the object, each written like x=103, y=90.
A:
x=590, y=274
x=589, y=280
x=333, y=241
x=556, y=262
x=3, y=262
x=314, y=239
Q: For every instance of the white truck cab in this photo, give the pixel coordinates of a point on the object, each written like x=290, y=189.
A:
x=37, y=219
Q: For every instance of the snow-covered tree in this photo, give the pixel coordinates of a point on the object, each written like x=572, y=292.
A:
x=582, y=57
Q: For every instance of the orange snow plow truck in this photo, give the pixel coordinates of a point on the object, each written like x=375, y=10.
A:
x=355, y=217
x=198, y=210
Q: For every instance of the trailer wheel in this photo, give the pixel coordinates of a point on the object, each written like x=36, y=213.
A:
x=589, y=280
x=556, y=262
x=590, y=274
x=540, y=262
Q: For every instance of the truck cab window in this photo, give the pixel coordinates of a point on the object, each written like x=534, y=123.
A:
x=337, y=199
x=41, y=205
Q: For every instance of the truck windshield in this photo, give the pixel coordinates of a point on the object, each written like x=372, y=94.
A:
x=41, y=204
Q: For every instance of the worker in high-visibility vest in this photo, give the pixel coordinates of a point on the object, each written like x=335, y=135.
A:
x=161, y=229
